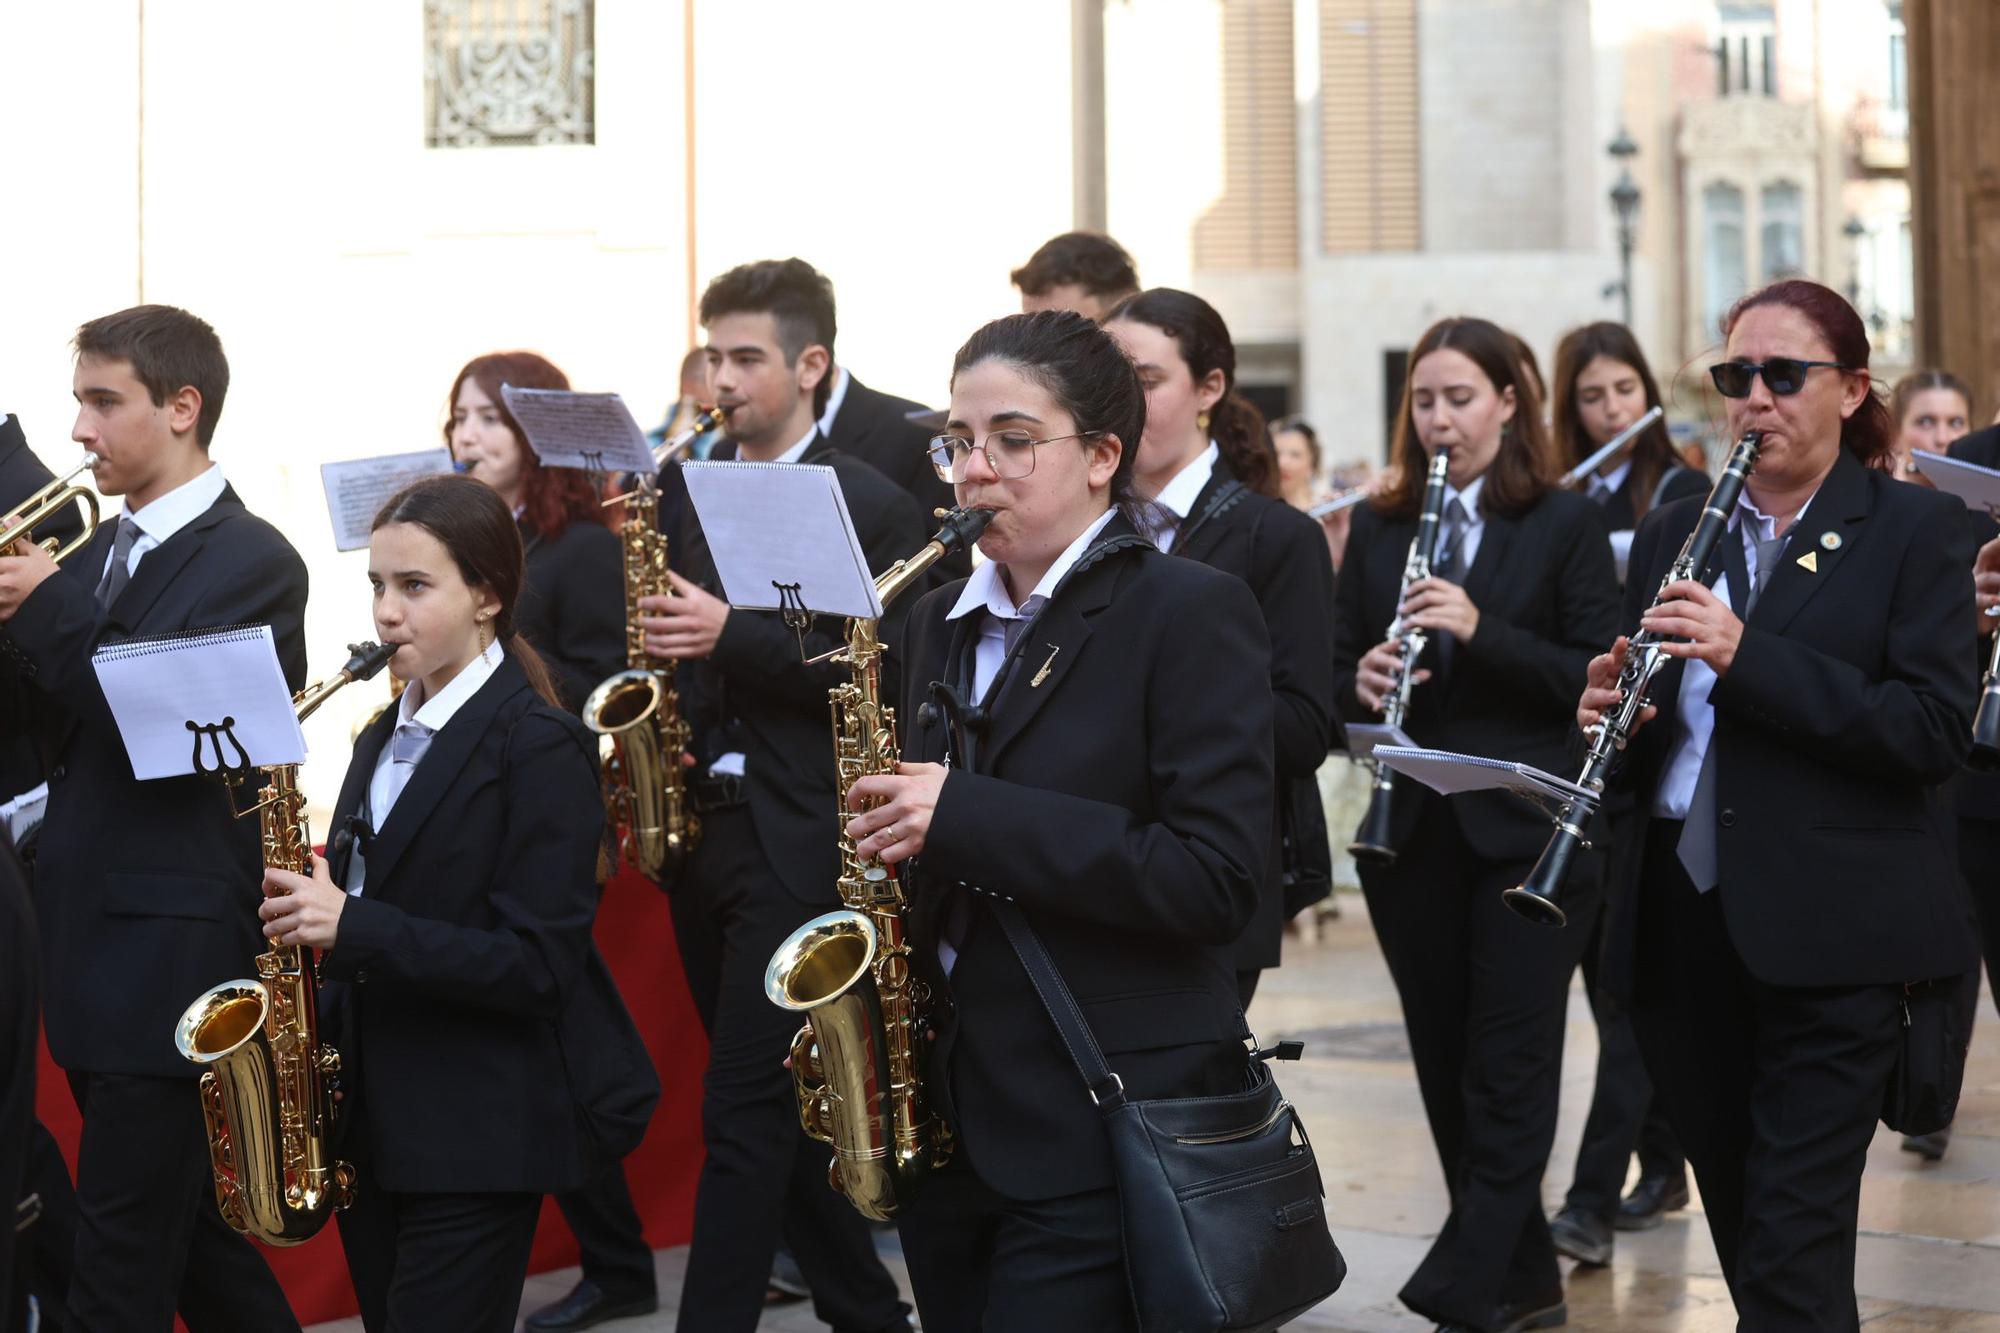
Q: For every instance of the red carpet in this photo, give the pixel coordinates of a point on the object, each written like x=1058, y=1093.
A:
x=636, y=935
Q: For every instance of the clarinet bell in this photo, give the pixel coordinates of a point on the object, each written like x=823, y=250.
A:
x=1372, y=840
x=1536, y=897
x=1985, y=755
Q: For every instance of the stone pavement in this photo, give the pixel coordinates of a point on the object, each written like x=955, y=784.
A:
x=1929, y=1255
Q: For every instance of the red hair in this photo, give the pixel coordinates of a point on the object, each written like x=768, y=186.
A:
x=551, y=498
x=1869, y=434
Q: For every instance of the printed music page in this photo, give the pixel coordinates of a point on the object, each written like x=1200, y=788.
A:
x=357, y=488
x=200, y=701
x=781, y=536
x=591, y=431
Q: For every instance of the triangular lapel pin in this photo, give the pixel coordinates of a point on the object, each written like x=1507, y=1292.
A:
x=1809, y=562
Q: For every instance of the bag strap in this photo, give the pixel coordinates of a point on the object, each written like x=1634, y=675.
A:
x=1106, y=1089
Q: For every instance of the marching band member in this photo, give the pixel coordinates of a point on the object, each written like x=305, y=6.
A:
x=133, y=925
x=1930, y=409
x=455, y=917
x=1791, y=878
x=1206, y=463
x=1117, y=785
x=1520, y=595
x=573, y=606
x=1084, y=271
x=768, y=858
x=1603, y=385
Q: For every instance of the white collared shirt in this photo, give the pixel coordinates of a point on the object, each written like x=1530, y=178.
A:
x=798, y=451
x=834, y=398
x=1694, y=726
x=1604, y=485
x=163, y=517
x=987, y=591
x=414, y=709
x=1475, y=522
x=1177, y=497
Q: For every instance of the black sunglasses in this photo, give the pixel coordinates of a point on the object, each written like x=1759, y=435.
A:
x=1783, y=375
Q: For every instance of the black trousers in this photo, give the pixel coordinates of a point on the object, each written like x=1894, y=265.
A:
x=982, y=1263
x=1774, y=1092
x=54, y=1237
x=1979, y=861
x=1484, y=995
x=608, y=1231
x=149, y=1238
x=763, y=1178
x=1622, y=1109
x=437, y=1261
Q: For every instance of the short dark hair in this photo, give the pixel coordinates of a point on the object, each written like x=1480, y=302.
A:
x=1084, y=370
x=797, y=296
x=1087, y=259
x=168, y=350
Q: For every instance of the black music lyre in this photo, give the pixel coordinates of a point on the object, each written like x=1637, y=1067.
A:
x=215, y=733
x=792, y=610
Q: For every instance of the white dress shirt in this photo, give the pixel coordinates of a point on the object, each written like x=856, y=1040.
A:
x=414, y=711
x=1475, y=522
x=171, y=512
x=1177, y=497
x=1604, y=485
x=986, y=590
x=1695, y=723
x=834, y=398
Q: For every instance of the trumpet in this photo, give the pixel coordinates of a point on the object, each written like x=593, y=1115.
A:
x=1539, y=896
x=45, y=504
x=1372, y=840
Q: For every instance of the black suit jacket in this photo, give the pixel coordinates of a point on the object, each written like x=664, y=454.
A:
x=1679, y=482
x=22, y=762
x=1977, y=795
x=755, y=694
x=573, y=607
x=147, y=891
x=1547, y=594
x=1121, y=795
x=1280, y=553
x=453, y=968
x=19, y=1023
x=875, y=427
x=1849, y=701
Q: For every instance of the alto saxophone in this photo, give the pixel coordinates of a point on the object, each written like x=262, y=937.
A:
x=855, y=1060
x=1372, y=840
x=639, y=709
x=264, y=1068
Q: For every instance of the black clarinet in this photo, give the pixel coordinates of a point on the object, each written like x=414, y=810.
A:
x=1538, y=897
x=1985, y=756
x=1371, y=841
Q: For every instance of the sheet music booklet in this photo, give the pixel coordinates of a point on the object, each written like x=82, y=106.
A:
x=782, y=538
x=204, y=701
x=1448, y=773
x=1978, y=486
x=1363, y=737
x=357, y=488
x=591, y=431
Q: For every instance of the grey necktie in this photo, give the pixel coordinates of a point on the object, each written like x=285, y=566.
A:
x=1697, y=845
x=1451, y=543
x=119, y=572
x=406, y=748
x=1601, y=490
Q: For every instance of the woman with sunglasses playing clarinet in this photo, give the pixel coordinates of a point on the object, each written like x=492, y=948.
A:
x=1792, y=877
x=1098, y=749
x=1520, y=590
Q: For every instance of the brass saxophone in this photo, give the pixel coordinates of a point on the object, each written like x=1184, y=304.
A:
x=855, y=1060
x=639, y=709
x=263, y=1085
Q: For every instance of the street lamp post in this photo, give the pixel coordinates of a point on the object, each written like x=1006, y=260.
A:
x=1854, y=229
x=1625, y=207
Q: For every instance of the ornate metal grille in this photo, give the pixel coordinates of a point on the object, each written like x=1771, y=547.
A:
x=508, y=72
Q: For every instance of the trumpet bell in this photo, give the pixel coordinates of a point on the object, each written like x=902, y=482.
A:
x=44, y=505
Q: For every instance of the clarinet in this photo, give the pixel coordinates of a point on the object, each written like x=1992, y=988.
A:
x=1538, y=898
x=1985, y=755
x=1372, y=840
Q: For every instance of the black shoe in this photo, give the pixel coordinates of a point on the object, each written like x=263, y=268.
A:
x=1516, y=1319
x=588, y=1305
x=1584, y=1237
x=1930, y=1147
x=1650, y=1201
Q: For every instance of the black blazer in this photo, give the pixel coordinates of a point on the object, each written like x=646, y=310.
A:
x=1547, y=594
x=1281, y=554
x=573, y=607
x=1977, y=795
x=875, y=427
x=19, y=1024
x=147, y=891
x=1679, y=482
x=1849, y=700
x=23, y=763
x=1122, y=796
x=453, y=967
x=755, y=695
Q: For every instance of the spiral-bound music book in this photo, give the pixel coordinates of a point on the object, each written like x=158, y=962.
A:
x=782, y=537
x=200, y=701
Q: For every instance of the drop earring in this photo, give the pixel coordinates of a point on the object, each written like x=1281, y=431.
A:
x=1201, y=421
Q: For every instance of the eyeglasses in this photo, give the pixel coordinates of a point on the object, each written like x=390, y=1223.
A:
x=1783, y=375
x=1010, y=453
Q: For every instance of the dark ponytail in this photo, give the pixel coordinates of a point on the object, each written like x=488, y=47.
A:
x=472, y=522
x=1197, y=328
